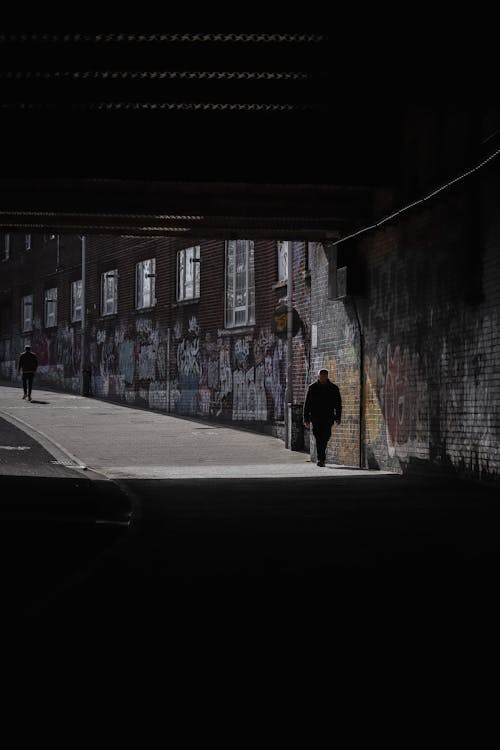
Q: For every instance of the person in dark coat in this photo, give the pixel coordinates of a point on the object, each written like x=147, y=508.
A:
x=28, y=363
x=322, y=407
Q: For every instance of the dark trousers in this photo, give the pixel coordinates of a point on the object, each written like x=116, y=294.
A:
x=322, y=433
x=27, y=382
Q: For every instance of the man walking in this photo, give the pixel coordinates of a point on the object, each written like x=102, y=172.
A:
x=28, y=363
x=323, y=407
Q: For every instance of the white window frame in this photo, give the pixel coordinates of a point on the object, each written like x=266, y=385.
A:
x=311, y=249
x=6, y=246
x=283, y=248
x=27, y=313
x=27, y=241
x=145, y=284
x=188, y=273
x=243, y=314
x=109, y=292
x=50, y=307
x=76, y=301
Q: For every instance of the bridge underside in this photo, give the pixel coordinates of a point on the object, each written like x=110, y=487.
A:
x=139, y=207
x=261, y=135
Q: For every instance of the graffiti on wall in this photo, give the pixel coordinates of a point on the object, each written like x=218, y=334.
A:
x=189, y=370
x=241, y=378
x=396, y=403
x=185, y=370
x=249, y=395
x=126, y=358
x=406, y=407
x=147, y=362
x=467, y=396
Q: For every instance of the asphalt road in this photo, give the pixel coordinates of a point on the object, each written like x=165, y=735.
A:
x=223, y=558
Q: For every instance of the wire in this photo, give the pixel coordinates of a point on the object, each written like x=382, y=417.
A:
x=419, y=201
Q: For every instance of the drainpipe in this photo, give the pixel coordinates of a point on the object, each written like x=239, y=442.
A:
x=361, y=385
x=168, y=369
x=289, y=338
x=84, y=389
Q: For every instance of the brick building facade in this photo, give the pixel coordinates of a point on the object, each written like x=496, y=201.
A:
x=173, y=349
x=403, y=314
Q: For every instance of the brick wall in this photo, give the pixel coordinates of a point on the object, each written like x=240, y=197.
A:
x=337, y=350
x=50, y=263
x=176, y=356
x=427, y=342
x=432, y=390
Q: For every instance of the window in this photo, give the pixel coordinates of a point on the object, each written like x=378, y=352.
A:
x=76, y=301
x=310, y=255
x=109, y=292
x=240, y=287
x=6, y=247
x=27, y=241
x=5, y=320
x=27, y=313
x=50, y=307
x=188, y=273
x=145, y=284
x=282, y=261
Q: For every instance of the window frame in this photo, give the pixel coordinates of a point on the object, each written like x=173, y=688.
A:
x=46, y=302
x=231, y=315
x=282, y=248
x=111, y=273
x=6, y=246
x=25, y=328
x=311, y=249
x=139, y=283
x=195, y=260
x=74, y=306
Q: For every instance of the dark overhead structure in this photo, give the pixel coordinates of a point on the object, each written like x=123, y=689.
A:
x=187, y=133
x=181, y=209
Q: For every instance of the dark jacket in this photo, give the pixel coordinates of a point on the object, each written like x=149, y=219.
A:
x=323, y=403
x=27, y=362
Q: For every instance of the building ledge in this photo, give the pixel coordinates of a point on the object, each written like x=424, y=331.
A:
x=145, y=310
x=280, y=284
x=240, y=331
x=185, y=302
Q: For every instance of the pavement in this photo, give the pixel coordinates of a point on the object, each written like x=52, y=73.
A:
x=218, y=534
x=125, y=442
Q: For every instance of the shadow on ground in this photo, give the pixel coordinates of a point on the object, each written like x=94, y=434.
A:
x=206, y=553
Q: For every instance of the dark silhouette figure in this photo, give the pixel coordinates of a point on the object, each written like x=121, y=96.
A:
x=323, y=407
x=28, y=363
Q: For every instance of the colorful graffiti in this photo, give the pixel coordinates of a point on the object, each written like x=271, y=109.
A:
x=241, y=378
x=396, y=403
x=184, y=370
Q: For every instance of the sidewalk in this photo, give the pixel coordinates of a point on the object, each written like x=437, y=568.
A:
x=125, y=442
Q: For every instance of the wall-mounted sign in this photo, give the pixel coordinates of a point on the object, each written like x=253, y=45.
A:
x=280, y=320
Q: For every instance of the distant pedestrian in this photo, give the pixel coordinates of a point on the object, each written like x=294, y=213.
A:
x=323, y=407
x=28, y=363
